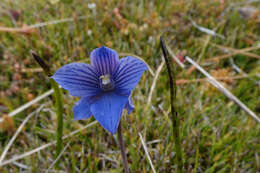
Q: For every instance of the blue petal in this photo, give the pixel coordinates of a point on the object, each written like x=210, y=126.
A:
x=128, y=74
x=108, y=110
x=129, y=106
x=79, y=79
x=105, y=60
x=82, y=109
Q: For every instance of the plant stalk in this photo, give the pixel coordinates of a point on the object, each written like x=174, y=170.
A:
x=174, y=113
x=59, y=112
x=122, y=149
x=58, y=104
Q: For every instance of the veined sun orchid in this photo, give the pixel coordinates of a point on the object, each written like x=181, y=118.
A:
x=104, y=86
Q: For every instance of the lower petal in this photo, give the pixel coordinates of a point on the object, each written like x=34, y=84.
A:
x=82, y=109
x=129, y=106
x=108, y=110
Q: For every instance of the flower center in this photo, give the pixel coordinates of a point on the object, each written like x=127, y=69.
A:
x=106, y=83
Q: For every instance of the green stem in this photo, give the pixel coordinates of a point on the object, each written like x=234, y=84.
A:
x=174, y=113
x=58, y=104
x=59, y=112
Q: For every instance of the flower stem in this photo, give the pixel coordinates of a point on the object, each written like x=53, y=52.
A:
x=58, y=104
x=122, y=148
x=174, y=113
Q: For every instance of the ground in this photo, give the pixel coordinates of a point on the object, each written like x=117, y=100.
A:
x=216, y=134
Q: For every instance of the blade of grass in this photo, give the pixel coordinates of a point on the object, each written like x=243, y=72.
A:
x=17, y=133
x=58, y=104
x=238, y=51
x=27, y=105
x=220, y=57
x=146, y=152
x=174, y=113
x=55, y=161
x=45, y=145
x=59, y=112
x=219, y=86
x=156, y=76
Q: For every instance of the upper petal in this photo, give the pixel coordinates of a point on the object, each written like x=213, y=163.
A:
x=128, y=74
x=104, y=60
x=81, y=110
x=108, y=110
x=79, y=79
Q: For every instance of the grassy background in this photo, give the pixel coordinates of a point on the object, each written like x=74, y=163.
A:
x=217, y=136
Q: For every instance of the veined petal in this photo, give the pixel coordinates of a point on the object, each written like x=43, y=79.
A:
x=108, y=110
x=79, y=79
x=104, y=60
x=128, y=74
x=129, y=106
x=81, y=110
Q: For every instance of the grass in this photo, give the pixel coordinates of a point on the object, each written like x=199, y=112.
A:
x=216, y=135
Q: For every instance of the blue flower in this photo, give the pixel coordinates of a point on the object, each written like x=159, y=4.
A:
x=104, y=86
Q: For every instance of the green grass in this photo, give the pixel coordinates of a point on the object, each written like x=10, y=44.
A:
x=216, y=135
